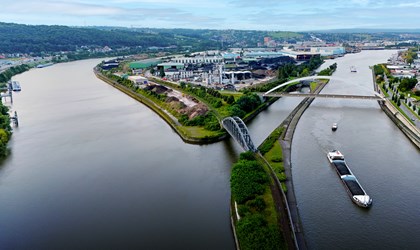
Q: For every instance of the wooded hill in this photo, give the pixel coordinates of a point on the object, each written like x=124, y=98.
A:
x=21, y=38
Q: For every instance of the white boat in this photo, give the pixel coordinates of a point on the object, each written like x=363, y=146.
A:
x=357, y=194
x=353, y=69
x=334, y=127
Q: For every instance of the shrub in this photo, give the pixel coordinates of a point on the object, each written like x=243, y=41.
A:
x=276, y=159
x=258, y=203
x=254, y=233
x=247, y=156
x=244, y=210
x=247, y=180
x=282, y=176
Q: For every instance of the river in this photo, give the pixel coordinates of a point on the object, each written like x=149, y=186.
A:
x=91, y=168
x=379, y=154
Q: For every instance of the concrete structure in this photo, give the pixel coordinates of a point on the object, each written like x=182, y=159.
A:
x=197, y=59
x=328, y=51
x=170, y=65
x=178, y=74
x=138, y=80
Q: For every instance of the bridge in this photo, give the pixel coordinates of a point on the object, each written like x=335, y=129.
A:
x=337, y=96
x=303, y=79
x=271, y=93
x=238, y=130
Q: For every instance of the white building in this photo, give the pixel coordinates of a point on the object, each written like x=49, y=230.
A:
x=138, y=80
x=198, y=59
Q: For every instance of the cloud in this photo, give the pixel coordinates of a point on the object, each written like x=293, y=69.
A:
x=294, y=15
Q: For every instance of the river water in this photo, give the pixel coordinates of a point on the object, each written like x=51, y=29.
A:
x=90, y=168
x=382, y=158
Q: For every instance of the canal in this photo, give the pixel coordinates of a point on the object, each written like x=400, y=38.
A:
x=90, y=168
x=378, y=153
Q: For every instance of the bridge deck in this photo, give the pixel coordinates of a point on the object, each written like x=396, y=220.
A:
x=337, y=96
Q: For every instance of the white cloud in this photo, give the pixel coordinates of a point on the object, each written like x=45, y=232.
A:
x=217, y=14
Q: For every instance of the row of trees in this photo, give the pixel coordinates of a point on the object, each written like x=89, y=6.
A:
x=328, y=71
x=5, y=129
x=7, y=74
x=398, y=87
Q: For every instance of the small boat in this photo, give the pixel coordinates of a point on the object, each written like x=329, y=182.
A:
x=353, y=69
x=334, y=127
x=357, y=194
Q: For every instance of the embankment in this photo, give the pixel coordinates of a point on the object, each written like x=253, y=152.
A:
x=170, y=119
x=410, y=130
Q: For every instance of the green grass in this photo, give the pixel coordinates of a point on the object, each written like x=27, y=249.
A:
x=236, y=95
x=275, y=159
x=313, y=86
x=270, y=213
x=381, y=86
x=223, y=111
x=273, y=155
x=199, y=132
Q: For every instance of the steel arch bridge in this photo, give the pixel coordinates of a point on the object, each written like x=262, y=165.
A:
x=238, y=130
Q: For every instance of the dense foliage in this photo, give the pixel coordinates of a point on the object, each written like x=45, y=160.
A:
x=5, y=129
x=247, y=180
x=249, y=184
x=254, y=233
x=7, y=74
x=378, y=69
x=19, y=38
x=271, y=139
x=407, y=84
x=328, y=71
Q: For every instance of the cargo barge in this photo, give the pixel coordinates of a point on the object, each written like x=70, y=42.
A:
x=354, y=189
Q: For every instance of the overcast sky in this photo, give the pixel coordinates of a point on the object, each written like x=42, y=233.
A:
x=286, y=15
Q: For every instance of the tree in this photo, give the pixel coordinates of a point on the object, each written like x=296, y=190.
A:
x=162, y=72
x=305, y=72
x=399, y=102
x=407, y=84
x=230, y=99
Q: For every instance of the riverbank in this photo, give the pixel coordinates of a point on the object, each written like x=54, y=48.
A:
x=165, y=115
x=189, y=133
x=406, y=126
